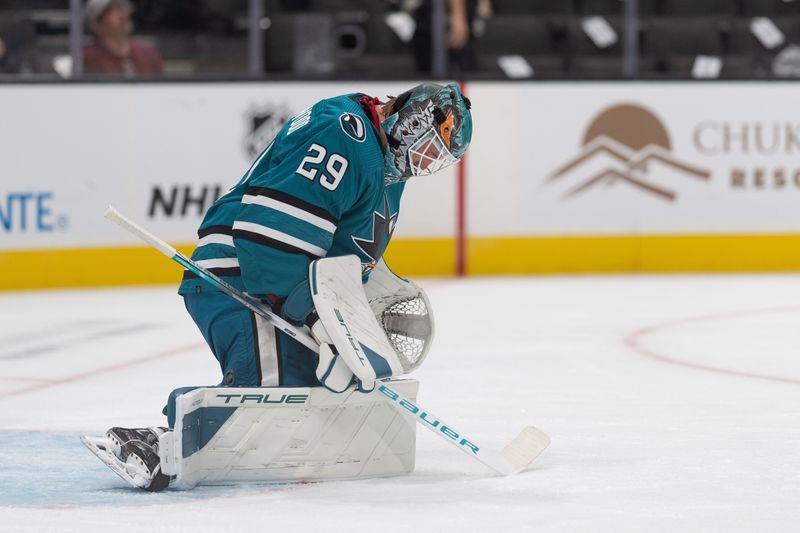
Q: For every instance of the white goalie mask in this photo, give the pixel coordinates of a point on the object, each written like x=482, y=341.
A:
x=429, y=154
x=429, y=129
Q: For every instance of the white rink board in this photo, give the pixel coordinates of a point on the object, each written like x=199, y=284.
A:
x=69, y=151
x=525, y=132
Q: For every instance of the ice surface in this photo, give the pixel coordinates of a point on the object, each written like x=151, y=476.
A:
x=673, y=404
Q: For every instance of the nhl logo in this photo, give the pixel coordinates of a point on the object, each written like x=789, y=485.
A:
x=263, y=124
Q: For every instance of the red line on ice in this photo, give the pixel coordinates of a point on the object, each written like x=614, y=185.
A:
x=102, y=370
x=37, y=380
x=634, y=341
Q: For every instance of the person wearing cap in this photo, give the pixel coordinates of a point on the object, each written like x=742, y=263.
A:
x=113, y=51
x=328, y=185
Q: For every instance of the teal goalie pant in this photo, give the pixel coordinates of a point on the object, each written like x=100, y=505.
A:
x=250, y=352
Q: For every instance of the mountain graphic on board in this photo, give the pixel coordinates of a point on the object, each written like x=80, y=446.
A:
x=637, y=143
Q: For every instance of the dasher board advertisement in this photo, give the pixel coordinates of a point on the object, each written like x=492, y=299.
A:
x=634, y=158
x=161, y=153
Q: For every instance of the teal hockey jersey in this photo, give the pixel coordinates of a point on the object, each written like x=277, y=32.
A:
x=317, y=190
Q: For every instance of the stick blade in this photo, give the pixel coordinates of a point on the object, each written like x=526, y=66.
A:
x=525, y=448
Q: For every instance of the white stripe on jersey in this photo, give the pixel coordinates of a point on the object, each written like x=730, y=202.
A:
x=280, y=236
x=224, y=262
x=216, y=238
x=290, y=210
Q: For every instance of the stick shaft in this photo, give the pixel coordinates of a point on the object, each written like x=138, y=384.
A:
x=254, y=304
x=445, y=431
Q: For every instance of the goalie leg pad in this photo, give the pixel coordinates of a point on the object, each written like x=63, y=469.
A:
x=229, y=435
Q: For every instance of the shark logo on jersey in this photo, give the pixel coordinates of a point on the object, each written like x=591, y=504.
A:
x=382, y=229
x=353, y=126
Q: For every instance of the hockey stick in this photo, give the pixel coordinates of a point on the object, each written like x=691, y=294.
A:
x=254, y=304
x=513, y=458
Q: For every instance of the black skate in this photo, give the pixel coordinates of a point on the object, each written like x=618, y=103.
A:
x=133, y=454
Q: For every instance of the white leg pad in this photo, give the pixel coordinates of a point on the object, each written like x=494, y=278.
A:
x=229, y=435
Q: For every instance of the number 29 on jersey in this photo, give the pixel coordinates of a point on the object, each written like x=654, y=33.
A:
x=317, y=158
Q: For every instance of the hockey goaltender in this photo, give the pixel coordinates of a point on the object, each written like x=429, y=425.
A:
x=311, y=329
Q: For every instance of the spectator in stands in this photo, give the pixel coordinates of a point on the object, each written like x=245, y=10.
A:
x=461, y=16
x=113, y=50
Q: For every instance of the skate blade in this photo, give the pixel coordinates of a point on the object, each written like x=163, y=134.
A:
x=102, y=447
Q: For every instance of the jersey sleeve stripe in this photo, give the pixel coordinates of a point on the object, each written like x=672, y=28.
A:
x=275, y=244
x=291, y=210
x=259, y=234
x=292, y=201
x=224, y=262
x=287, y=224
x=215, y=238
x=208, y=230
x=221, y=272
